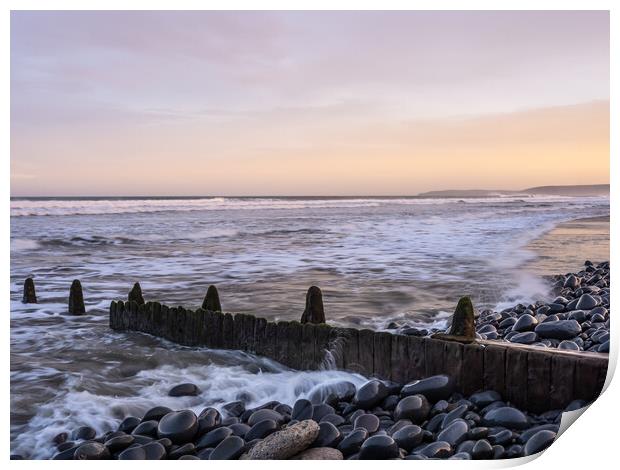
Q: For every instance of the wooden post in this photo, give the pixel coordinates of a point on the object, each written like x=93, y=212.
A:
x=76, y=299
x=30, y=296
x=314, y=312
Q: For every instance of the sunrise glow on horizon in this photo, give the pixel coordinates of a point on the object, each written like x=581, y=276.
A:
x=306, y=103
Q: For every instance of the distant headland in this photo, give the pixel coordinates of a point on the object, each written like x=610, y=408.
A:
x=573, y=190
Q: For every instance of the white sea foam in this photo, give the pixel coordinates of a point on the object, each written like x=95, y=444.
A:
x=73, y=406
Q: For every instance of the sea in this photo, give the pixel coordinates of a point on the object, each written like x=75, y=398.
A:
x=378, y=261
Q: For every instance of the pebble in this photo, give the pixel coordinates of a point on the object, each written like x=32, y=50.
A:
x=506, y=417
x=230, y=448
x=561, y=329
x=367, y=421
x=435, y=388
x=353, y=441
x=319, y=453
x=178, y=426
x=370, y=394
x=91, y=451
x=539, y=442
x=379, y=448
x=408, y=437
x=285, y=443
x=184, y=390
x=329, y=436
x=415, y=408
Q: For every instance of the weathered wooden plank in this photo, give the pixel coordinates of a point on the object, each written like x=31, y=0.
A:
x=382, y=355
x=587, y=379
x=112, y=315
x=435, y=363
x=282, y=342
x=259, y=336
x=516, y=377
x=180, y=325
x=562, y=375
x=366, y=351
x=191, y=323
x=294, y=345
x=473, y=368
x=322, y=343
x=350, y=350
x=210, y=327
x=399, y=359
x=538, y=381
x=127, y=316
x=148, y=320
x=156, y=319
x=494, y=368
x=453, y=357
x=416, y=364
x=227, y=337
x=165, y=312
x=249, y=326
x=200, y=327
x=238, y=339
x=308, y=346
x=271, y=336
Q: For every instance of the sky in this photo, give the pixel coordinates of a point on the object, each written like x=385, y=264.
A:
x=306, y=103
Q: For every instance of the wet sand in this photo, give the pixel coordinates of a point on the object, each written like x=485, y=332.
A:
x=567, y=246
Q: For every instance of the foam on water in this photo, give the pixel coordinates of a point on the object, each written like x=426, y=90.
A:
x=73, y=406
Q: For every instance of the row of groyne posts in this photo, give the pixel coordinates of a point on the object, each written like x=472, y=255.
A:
x=531, y=378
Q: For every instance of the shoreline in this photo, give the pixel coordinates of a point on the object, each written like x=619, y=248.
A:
x=566, y=246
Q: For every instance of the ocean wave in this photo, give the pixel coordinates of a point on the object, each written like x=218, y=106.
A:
x=72, y=207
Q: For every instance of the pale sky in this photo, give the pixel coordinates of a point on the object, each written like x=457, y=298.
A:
x=306, y=103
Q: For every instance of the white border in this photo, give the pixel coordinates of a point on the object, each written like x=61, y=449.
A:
x=589, y=444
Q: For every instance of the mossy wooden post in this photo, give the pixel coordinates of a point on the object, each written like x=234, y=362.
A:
x=399, y=359
x=314, y=311
x=30, y=296
x=76, y=299
x=463, y=323
x=211, y=301
x=135, y=294
x=218, y=328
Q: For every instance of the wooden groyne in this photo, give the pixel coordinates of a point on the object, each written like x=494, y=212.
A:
x=531, y=378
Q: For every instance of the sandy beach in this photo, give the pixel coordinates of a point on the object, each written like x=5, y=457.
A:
x=570, y=243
